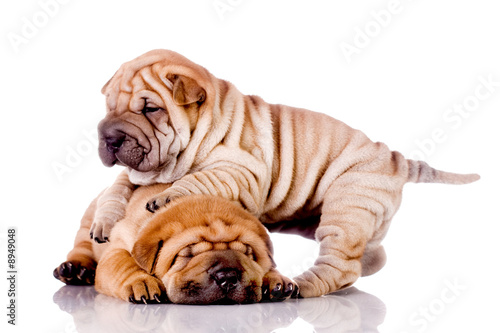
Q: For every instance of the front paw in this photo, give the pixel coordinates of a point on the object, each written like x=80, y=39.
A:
x=276, y=287
x=145, y=289
x=101, y=229
x=161, y=200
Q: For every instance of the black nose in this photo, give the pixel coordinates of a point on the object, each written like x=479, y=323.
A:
x=226, y=279
x=114, y=143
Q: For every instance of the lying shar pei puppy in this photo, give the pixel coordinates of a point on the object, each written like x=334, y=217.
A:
x=170, y=121
x=197, y=250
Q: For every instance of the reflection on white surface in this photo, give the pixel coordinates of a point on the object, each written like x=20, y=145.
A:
x=348, y=311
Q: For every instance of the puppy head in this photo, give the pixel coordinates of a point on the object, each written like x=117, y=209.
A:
x=206, y=250
x=153, y=105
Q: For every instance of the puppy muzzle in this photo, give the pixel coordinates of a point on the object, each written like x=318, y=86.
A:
x=227, y=279
x=121, y=142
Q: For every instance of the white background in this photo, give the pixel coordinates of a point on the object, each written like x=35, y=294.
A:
x=411, y=68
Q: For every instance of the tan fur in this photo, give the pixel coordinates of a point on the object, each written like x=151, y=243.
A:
x=183, y=125
x=111, y=206
x=180, y=252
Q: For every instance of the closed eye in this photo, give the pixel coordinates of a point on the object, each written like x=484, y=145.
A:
x=150, y=106
x=150, y=109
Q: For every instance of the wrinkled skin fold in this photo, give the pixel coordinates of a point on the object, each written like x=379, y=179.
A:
x=198, y=250
x=170, y=121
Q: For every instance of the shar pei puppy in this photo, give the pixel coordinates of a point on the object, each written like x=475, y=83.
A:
x=196, y=250
x=170, y=120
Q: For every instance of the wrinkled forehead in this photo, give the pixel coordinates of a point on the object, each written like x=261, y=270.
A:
x=219, y=235
x=146, y=82
x=200, y=237
x=148, y=72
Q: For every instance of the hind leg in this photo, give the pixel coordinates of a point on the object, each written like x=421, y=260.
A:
x=81, y=263
x=352, y=211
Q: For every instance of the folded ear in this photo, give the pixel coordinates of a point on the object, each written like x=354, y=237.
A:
x=186, y=90
x=146, y=251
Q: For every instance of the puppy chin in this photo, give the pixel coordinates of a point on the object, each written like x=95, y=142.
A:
x=211, y=294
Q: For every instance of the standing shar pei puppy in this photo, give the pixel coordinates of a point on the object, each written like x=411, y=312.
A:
x=170, y=121
x=197, y=250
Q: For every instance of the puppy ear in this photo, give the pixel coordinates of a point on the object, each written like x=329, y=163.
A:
x=186, y=90
x=146, y=251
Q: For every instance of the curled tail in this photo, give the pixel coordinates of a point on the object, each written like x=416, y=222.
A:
x=421, y=172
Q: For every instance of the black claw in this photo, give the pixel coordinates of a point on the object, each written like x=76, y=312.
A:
x=106, y=239
x=150, y=208
x=63, y=270
x=132, y=300
x=296, y=292
x=82, y=272
x=276, y=293
x=289, y=290
x=161, y=299
x=91, y=235
x=98, y=240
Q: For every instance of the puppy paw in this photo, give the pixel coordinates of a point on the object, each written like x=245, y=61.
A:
x=276, y=287
x=76, y=272
x=101, y=229
x=145, y=289
x=161, y=200
x=307, y=288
